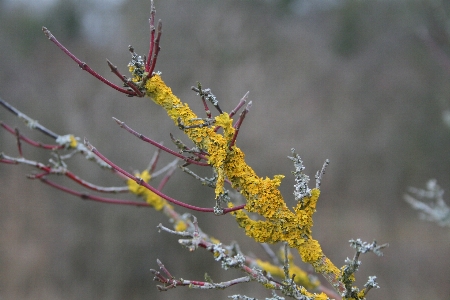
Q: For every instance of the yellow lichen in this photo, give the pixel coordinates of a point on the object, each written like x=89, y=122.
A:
x=151, y=198
x=73, y=142
x=136, y=188
x=262, y=194
x=180, y=225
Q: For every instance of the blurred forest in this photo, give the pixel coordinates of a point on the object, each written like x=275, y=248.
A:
x=362, y=83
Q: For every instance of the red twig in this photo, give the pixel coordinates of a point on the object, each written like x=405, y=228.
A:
x=156, y=49
x=149, y=187
x=83, y=65
x=238, y=124
x=206, y=94
x=163, y=268
x=235, y=110
x=91, y=197
x=7, y=160
x=150, y=141
x=205, y=105
x=19, y=144
x=30, y=141
x=240, y=104
x=154, y=42
x=47, y=170
x=152, y=37
x=95, y=187
x=166, y=178
x=124, y=79
x=152, y=166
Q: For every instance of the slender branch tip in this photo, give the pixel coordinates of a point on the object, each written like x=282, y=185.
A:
x=118, y=121
x=88, y=145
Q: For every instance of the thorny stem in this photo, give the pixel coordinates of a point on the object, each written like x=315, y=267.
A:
x=146, y=185
x=83, y=65
x=150, y=141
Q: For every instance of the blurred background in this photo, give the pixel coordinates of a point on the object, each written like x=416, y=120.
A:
x=362, y=83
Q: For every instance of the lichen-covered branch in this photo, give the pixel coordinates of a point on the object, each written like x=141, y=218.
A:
x=276, y=221
x=281, y=224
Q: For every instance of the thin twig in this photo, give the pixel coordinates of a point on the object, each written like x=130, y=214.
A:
x=92, y=197
x=149, y=187
x=125, y=80
x=240, y=104
x=238, y=124
x=83, y=65
x=156, y=144
x=30, y=141
x=29, y=121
